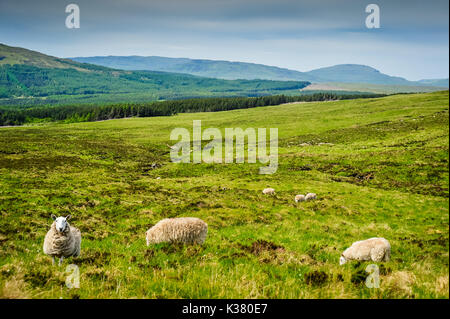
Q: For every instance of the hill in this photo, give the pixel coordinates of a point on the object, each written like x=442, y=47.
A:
x=29, y=78
x=356, y=73
x=348, y=73
x=208, y=68
x=379, y=168
x=435, y=82
x=20, y=56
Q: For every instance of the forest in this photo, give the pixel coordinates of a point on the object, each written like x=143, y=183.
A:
x=89, y=113
x=23, y=86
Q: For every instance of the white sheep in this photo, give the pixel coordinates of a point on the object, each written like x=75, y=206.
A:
x=187, y=230
x=62, y=240
x=299, y=198
x=374, y=249
x=269, y=191
x=310, y=196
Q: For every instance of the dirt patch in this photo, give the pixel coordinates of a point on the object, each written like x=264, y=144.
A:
x=316, y=278
x=150, y=167
x=94, y=258
x=359, y=276
x=38, y=277
x=426, y=243
x=261, y=246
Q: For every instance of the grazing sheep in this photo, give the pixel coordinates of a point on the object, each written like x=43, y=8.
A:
x=299, y=198
x=375, y=249
x=268, y=191
x=187, y=230
x=62, y=240
x=310, y=196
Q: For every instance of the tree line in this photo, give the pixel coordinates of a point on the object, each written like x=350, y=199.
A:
x=88, y=113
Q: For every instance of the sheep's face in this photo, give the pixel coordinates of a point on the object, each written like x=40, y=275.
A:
x=342, y=260
x=61, y=223
x=149, y=236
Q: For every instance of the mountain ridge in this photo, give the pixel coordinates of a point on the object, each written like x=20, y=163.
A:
x=347, y=73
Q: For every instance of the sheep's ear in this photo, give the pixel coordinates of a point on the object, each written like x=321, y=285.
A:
x=68, y=217
x=53, y=217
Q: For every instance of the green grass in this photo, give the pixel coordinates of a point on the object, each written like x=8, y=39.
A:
x=376, y=88
x=385, y=174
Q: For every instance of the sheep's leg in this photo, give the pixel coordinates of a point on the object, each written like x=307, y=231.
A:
x=60, y=261
x=387, y=256
x=53, y=260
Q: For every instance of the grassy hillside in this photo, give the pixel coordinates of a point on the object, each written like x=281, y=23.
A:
x=15, y=55
x=367, y=87
x=347, y=73
x=383, y=172
x=29, y=78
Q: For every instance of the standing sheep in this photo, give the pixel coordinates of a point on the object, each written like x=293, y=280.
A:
x=187, y=230
x=374, y=249
x=269, y=191
x=299, y=198
x=62, y=240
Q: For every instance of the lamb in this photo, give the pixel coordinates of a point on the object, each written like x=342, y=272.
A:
x=186, y=230
x=269, y=191
x=62, y=240
x=299, y=198
x=310, y=196
x=374, y=249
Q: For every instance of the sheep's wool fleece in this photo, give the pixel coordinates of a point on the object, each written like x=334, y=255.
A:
x=375, y=249
x=62, y=244
x=270, y=191
x=188, y=230
x=310, y=196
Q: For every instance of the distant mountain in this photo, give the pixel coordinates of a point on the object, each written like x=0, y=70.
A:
x=28, y=77
x=356, y=73
x=343, y=73
x=435, y=82
x=208, y=68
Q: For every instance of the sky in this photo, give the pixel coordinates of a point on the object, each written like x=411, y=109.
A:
x=412, y=41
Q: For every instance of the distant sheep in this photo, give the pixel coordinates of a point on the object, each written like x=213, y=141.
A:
x=62, y=240
x=310, y=196
x=299, y=198
x=186, y=230
x=269, y=191
x=374, y=249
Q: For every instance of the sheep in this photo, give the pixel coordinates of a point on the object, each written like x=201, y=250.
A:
x=310, y=196
x=62, y=240
x=268, y=191
x=186, y=230
x=299, y=198
x=374, y=249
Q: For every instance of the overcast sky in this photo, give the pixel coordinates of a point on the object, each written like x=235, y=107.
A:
x=301, y=35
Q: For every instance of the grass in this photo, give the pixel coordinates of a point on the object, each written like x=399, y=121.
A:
x=382, y=172
x=374, y=88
